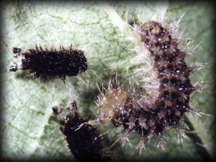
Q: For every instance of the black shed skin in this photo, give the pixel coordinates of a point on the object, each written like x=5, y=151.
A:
x=85, y=142
x=52, y=63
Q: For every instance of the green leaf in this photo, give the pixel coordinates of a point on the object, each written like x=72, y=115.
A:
x=102, y=30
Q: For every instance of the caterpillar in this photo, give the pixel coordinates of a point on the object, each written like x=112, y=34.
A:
x=85, y=143
x=52, y=63
x=151, y=115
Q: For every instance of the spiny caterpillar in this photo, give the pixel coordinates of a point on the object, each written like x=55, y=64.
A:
x=87, y=142
x=52, y=63
x=151, y=116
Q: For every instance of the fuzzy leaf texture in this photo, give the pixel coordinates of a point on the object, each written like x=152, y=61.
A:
x=29, y=128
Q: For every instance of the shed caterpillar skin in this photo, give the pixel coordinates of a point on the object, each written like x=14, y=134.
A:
x=53, y=63
x=85, y=143
x=151, y=116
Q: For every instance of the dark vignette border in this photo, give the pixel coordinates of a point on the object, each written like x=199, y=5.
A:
x=2, y=26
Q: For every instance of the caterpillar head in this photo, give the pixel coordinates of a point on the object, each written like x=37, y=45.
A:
x=64, y=114
x=110, y=102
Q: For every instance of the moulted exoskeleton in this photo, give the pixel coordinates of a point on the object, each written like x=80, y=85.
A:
x=50, y=63
x=86, y=143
